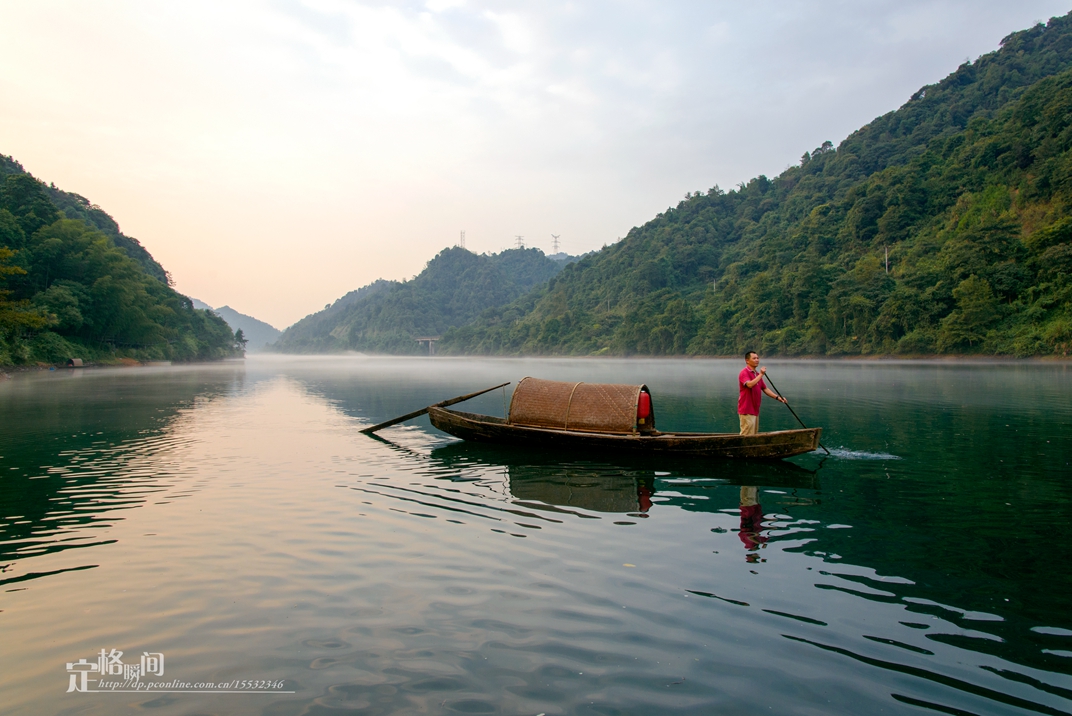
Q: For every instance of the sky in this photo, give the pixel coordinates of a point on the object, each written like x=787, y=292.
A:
x=274, y=155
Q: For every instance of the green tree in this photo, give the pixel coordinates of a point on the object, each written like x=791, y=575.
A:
x=240, y=341
x=977, y=309
x=24, y=197
x=17, y=317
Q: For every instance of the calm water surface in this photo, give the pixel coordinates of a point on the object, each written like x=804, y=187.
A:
x=233, y=520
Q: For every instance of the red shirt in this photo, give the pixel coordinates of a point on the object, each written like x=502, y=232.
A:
x=748, y=402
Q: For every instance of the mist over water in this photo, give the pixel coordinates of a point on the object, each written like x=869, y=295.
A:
x=233, y=519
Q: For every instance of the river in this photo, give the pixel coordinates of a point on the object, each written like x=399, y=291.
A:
x=222, y=539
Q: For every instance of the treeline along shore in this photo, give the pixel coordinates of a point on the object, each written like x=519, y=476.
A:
x=73, y=286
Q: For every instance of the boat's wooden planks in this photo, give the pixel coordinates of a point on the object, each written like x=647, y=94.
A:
x=486, y=428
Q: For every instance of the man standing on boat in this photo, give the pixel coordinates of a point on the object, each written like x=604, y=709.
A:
x=752, y=387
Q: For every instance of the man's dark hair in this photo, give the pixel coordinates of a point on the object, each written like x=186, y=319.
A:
x=748, y=353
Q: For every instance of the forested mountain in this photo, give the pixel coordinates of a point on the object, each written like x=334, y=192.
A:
x=71, y=285
x=968, y=187
x=453, y=289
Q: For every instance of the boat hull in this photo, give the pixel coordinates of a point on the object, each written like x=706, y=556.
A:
x=489, y=429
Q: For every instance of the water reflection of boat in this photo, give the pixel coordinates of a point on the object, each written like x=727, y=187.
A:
x=608, y=485
x=605, y=417
x=771, y=474
x=586, y=489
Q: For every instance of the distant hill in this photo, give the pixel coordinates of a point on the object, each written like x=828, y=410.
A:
x=453, y=289
x=257, y=333
x=72, y=285
x=968, y=187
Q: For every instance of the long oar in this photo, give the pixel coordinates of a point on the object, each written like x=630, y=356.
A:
x=422, y=411
x=767, y=376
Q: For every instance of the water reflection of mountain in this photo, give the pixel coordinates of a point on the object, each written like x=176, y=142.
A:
x=69, y=463
x=627, y=485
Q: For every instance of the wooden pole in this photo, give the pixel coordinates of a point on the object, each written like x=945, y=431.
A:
x=422, y=411
x=767, y=376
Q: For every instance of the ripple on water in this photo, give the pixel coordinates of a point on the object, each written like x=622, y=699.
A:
x=847, y=454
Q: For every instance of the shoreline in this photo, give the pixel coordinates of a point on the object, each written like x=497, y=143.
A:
x=8, y=371
x=775, y=357
x=924, y=357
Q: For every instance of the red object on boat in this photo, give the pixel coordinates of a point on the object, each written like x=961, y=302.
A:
x=643, y=408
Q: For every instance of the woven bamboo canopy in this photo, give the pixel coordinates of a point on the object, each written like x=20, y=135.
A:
x=585, y=407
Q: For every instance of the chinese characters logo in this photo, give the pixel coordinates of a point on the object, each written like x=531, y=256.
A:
x=110, y=664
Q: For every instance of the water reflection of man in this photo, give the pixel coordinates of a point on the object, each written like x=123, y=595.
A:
x=752, y=388
x=751, y=533
x=645, y=489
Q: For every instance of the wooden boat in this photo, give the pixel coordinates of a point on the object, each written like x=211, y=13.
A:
x=608, y=417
